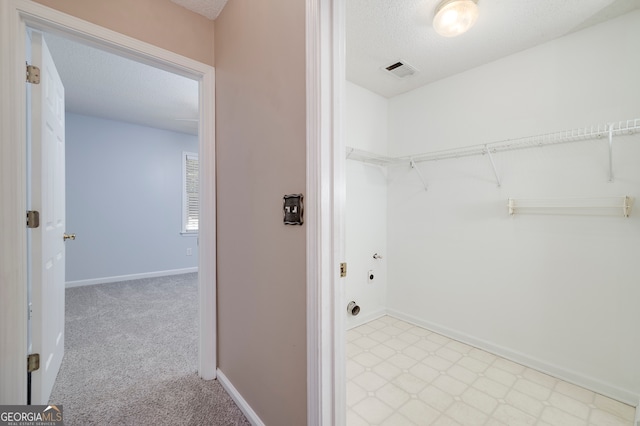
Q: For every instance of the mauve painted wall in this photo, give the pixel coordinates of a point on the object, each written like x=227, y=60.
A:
x=124, y=199
x=261, y=156
x=158, y=22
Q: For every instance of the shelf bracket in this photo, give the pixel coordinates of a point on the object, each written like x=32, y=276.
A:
x=493, y=164
x=414, y=166
x=349, y=152
x=611, y=152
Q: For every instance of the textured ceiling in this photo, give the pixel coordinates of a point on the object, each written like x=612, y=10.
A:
x=209, y=8
x=106, y=85
x=381, y=32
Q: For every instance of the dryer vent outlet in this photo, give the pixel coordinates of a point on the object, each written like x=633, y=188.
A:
x=353, y=308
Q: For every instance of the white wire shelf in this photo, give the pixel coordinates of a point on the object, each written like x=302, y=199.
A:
x=585, y=206
x=601, y=131
x=368, y=157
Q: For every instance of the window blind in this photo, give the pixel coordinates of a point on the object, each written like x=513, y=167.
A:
x=192, y=201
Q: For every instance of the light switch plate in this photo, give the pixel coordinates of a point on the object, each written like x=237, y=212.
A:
x=293, y=209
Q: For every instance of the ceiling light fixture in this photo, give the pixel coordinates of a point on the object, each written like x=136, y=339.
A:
x=454, y=17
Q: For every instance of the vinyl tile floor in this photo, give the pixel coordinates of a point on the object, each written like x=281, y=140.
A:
x=400, y=374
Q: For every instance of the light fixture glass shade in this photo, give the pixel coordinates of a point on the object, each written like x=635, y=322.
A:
x=454, y=17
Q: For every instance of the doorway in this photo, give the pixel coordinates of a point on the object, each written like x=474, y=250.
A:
x=16, y=17
x=127, y=126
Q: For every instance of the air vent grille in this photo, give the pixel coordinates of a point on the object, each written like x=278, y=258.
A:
x=400, y=69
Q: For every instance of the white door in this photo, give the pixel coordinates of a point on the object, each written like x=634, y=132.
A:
x=47, y=244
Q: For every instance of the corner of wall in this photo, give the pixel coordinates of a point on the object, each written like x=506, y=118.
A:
x=244, y=406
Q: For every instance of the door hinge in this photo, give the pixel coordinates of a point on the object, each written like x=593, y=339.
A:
x=33, y=218
x=33, y=362
x=343, y=269
x=33, y=74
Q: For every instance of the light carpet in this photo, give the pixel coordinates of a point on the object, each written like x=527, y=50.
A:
x=131, y=351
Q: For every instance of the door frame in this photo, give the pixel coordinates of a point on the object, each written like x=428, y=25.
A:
x=326, y=184
x=15, y=17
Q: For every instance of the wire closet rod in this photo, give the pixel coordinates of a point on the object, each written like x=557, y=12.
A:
x=600, y=131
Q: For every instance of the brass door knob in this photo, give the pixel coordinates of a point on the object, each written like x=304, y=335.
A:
x=66, y=237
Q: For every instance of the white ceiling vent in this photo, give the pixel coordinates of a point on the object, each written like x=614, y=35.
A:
x=400, y=69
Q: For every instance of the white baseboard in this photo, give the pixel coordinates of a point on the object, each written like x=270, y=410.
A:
x=356, y=321
x=565, y=374
x=119, y=278
x=239, y=400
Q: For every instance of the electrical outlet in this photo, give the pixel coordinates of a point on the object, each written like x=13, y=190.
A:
x=189, y=251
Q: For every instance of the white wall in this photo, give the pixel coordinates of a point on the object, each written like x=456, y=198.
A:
x=581, y=79
x=366, y=117
x=124, y=200
x=557, y=292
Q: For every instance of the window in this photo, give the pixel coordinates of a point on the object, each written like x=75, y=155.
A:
x=190, y=195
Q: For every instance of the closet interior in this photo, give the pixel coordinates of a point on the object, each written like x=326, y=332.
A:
x=492, y=239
